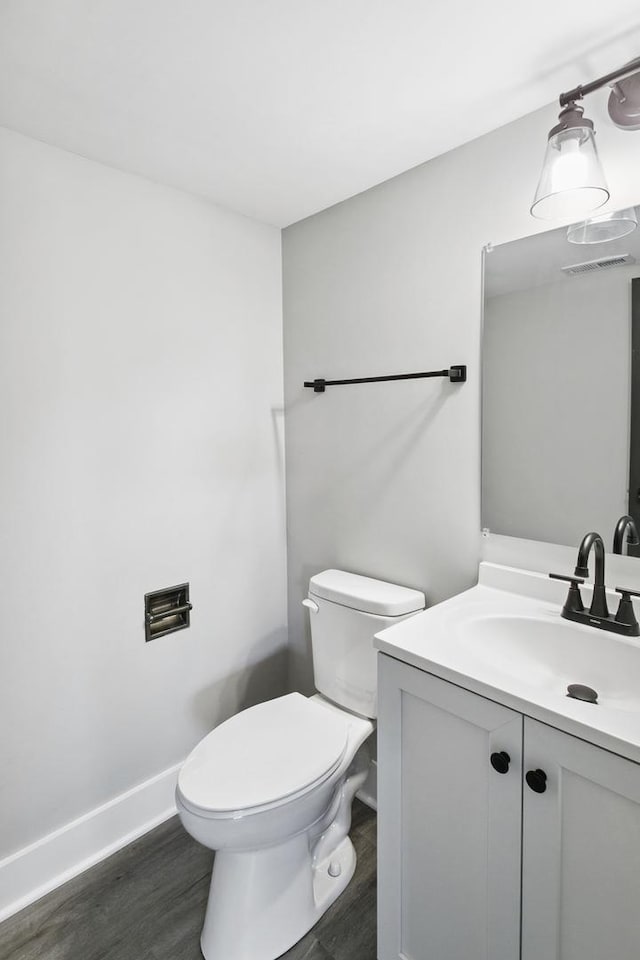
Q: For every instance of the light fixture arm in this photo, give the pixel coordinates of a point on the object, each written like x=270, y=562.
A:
x=584, y=89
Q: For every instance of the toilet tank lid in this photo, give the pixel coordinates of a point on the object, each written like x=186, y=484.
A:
x=365, y=593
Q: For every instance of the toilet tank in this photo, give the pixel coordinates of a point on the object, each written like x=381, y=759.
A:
x=346, y=610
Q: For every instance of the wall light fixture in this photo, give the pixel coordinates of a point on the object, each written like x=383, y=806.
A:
x=572, y=183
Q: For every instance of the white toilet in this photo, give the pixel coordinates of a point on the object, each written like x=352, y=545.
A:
x=270, y=789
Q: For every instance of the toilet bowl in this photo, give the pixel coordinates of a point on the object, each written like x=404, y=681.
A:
x=270, y=789
x=281, y=835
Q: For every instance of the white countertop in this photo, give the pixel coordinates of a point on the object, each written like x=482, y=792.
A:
x=439, y=642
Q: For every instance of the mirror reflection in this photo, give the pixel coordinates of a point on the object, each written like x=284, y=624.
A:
x=561, y=398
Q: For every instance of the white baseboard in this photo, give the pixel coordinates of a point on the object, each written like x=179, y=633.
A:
x=35, y=870
x=368, y=793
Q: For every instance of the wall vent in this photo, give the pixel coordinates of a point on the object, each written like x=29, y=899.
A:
x=605, y=263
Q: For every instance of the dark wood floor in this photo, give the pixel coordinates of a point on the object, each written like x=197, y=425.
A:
x=147, y=902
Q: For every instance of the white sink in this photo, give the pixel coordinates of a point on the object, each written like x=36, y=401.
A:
x=551, y=654
x=505, y=639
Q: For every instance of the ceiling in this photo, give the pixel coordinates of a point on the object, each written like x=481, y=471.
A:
x=280, y=108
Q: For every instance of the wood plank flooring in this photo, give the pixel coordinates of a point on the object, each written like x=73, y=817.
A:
x=147, y=902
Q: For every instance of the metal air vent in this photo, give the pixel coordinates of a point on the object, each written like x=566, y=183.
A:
x=605, y=263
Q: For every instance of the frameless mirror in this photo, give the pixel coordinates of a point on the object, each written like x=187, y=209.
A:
x=561, y=388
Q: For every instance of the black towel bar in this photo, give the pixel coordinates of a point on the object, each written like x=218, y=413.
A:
x=456, y=374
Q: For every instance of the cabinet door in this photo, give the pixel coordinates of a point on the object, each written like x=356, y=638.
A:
x=449, y=825
x=581, y=851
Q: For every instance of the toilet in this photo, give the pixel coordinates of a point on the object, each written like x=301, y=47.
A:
x=270, y=789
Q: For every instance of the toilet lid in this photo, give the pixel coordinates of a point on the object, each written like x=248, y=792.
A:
x=264, y=754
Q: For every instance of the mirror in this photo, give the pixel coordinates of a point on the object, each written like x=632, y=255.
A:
x=561, y=393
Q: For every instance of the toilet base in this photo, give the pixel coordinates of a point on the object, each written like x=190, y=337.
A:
x=262, y=902
x=326, y=887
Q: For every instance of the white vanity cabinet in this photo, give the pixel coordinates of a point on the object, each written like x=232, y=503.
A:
x=581, y=851
x=449, y=825
x=474, y=864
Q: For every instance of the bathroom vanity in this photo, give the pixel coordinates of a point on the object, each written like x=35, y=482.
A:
x=509, y=813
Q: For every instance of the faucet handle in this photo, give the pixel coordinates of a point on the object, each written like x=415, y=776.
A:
x=573, y=603
x=626, y=592
x=626, y=613
x=573, y=580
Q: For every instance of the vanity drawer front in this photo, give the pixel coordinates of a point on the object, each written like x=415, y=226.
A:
x=581, y=850
x=449, y=822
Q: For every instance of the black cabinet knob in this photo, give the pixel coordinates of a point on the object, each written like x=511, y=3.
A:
x=500, y=761
x=536, y=780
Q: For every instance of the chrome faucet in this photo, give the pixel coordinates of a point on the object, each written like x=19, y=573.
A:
x=598, y=615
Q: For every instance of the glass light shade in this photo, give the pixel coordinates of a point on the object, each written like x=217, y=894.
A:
x=572, y=183
x=608, y=226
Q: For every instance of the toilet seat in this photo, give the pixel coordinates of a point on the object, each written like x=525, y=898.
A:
x=263, y=756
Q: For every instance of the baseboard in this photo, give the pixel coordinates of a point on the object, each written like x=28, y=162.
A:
x=368, y=793
x=30, y=873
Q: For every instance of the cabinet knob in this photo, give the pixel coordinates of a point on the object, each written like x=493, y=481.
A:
x=500, y=761
x=536, y=780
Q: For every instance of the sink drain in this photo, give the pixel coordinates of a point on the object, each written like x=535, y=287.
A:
x=578, y=691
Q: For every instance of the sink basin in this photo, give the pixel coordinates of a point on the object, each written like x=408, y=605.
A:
x=551, y=653
x=505, y=640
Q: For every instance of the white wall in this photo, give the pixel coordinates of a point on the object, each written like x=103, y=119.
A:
x=384, y=479
x=556, y=407
x=141, y=439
